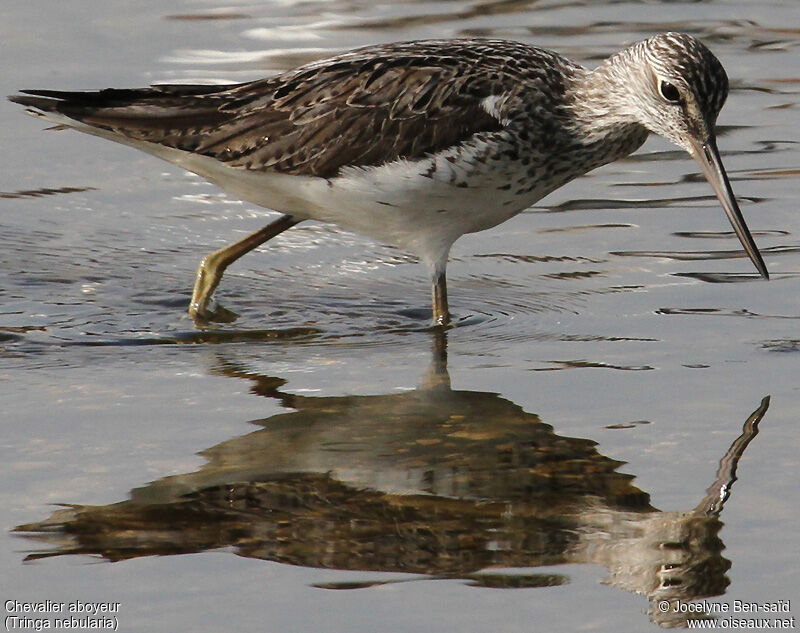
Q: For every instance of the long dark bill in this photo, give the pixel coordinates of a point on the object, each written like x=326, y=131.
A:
x=707, y=155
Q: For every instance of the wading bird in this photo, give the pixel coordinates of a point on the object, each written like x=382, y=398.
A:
x=415, y=143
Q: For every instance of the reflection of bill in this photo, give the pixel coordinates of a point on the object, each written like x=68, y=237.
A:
x=432, y=481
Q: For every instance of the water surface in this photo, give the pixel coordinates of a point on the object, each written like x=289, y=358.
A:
x=552, y=470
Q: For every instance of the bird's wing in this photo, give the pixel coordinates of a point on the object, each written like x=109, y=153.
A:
x=364, y=109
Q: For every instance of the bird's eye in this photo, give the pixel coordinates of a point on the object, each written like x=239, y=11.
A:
x=670, y=92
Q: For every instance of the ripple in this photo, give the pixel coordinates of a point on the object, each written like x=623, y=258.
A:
x=211, y=14
x=748, y=314
x=576, y=274
x=720, y=278
x=272, y=58
x=514, y=258
x=706, y=255
x=728, y=234
x=584, y=364
x=587, y=227
x=782, y=345
x=44, y=191
x=627, y=425
x=770, y=174
x=638, y=203
x=727, y=278
x=365, y=301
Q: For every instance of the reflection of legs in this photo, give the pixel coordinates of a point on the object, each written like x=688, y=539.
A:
x=213, y=267
x=441, y=314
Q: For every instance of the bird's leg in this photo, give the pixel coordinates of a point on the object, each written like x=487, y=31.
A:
x=441, y=315
x=213, y=266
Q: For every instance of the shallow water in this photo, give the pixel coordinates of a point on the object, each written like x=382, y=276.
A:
x=320, y=449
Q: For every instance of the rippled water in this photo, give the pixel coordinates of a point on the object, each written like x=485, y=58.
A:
x=322, y=442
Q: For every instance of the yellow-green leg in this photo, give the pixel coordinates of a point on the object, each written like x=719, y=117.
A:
x=441, y=314
x=213, y=266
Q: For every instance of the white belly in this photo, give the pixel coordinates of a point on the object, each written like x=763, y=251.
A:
x=397, y=203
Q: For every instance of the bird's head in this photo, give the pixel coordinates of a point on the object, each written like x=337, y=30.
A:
x=675, y=87
x=682, y=87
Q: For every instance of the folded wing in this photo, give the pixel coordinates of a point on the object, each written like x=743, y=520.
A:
x=360, y=109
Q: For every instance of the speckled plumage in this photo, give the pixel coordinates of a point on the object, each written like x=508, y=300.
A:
x=413, y=143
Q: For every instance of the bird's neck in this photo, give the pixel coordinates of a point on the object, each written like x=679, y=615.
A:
x=602, y=104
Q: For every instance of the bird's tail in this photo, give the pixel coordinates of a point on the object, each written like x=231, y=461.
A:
x=148, y=114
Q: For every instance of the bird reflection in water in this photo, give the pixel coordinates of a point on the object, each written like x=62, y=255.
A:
x=434, y=481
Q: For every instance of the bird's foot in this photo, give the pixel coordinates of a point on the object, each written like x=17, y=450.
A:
x=441, y=320
x=205, y=314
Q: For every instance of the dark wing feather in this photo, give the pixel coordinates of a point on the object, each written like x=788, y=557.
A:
x=159, y=114
x=365, y=108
